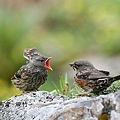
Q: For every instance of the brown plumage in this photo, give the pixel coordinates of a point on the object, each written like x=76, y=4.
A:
x=34, y=73
x=91, y=79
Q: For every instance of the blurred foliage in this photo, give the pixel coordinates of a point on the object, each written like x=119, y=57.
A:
x=7, y=90
x=65, y=88
x=62, y=29
x=113, y=88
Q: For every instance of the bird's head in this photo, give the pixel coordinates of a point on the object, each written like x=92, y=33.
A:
x=36, y=59
x=41, y=61
x=80, y=65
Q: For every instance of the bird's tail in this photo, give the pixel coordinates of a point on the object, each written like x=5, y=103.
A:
x=110, y=80
x=116, y=77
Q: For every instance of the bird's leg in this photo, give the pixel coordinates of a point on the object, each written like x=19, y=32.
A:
x=84, y=93
x=36, y=89
x=24, y=92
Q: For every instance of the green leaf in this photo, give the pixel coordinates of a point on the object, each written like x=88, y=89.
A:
x=56, y=88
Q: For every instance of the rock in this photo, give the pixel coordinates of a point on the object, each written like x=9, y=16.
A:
x=42, y=105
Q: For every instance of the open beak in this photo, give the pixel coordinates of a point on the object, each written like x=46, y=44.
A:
x=47, y=63
x=72, y=65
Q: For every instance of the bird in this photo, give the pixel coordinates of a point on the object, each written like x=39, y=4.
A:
x=34, y=73
x=90, y=79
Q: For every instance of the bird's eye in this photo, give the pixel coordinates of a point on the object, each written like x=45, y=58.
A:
x=41, y=60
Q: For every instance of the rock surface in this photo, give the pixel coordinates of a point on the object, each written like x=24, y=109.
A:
x=42, y=105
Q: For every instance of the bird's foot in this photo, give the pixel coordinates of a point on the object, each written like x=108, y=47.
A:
x=82, y=94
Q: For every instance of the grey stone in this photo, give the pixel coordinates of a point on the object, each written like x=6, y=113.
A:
x=42, y=105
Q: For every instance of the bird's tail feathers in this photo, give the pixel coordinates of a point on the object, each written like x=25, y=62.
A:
x=117, y=77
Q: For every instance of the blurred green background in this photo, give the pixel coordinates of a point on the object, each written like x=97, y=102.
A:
x=63, y=29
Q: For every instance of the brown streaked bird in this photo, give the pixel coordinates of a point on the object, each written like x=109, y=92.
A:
x=91, y=79
x=34, y=73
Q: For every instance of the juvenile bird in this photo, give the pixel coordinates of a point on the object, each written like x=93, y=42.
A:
x=34, y=73
x=91, y=79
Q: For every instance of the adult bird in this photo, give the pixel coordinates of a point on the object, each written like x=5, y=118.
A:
x=34, y=73
x=91, y=79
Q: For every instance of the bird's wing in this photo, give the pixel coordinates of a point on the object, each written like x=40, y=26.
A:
x=105, y=72
x=92, y=75
x=22, y=73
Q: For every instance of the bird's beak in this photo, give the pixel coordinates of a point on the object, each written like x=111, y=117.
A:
x=47, y=63
x=71, y=64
